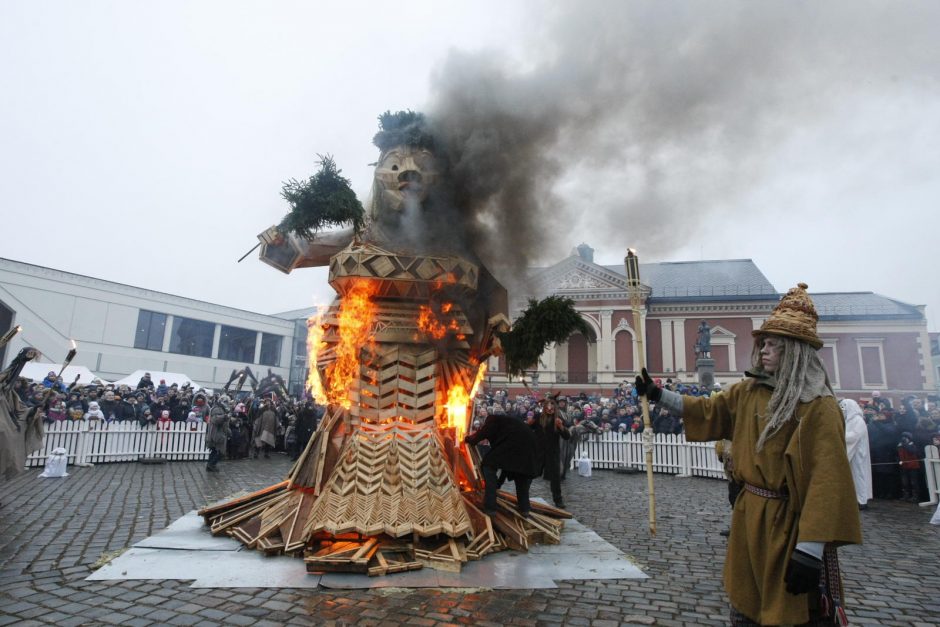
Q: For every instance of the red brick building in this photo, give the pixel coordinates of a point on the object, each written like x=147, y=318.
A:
x=872, y=342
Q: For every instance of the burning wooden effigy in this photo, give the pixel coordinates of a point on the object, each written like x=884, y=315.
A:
x=386, y=483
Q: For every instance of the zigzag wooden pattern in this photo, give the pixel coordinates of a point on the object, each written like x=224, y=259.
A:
x=393, y=479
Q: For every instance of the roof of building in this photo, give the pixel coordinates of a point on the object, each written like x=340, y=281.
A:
x=862, y=305
x=698, y=280
x=296, y=314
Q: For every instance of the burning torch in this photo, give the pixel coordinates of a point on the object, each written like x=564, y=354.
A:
x=9, y=335
x=632, y=263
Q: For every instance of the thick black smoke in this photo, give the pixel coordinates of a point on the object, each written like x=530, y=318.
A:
x=630, y=123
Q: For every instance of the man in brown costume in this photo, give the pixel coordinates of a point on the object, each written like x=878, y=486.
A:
x=788, y=442
x=21, y=428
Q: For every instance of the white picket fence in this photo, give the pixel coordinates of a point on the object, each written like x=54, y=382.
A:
x=126, y=441
x=671, y=454
x=932, y=468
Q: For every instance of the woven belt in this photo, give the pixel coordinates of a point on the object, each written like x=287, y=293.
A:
x=767, y=494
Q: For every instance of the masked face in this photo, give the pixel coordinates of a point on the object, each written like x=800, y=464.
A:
x=771, y=348
x=403, y=173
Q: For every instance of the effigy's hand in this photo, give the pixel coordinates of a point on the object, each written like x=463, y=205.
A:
x=645, y=386
x=802, y=574
x=272, y=235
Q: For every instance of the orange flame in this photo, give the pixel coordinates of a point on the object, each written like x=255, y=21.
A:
x=354, y=326
x=458, y=401
x=479, y=379
x=437, y=327
x=458, y=404
x=315, y=344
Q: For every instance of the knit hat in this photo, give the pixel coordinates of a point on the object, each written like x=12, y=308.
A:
x=794, y=316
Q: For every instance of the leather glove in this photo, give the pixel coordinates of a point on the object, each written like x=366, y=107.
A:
x=802, y=573
x=646, y=387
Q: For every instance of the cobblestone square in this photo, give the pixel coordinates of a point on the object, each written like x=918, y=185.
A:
x=52, y=532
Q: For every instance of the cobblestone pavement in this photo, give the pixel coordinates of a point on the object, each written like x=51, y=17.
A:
x=53, y=530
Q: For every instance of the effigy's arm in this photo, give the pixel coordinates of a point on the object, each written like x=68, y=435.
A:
x=287, y=251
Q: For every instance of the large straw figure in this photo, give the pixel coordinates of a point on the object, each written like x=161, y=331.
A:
x=396, y=359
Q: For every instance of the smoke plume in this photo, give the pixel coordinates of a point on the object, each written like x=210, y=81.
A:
x=630, y=123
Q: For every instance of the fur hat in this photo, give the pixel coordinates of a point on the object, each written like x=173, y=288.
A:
x=794, y=316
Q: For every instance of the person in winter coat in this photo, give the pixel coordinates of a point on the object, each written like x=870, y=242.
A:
x=145, y=383
x=304, y=427
x=162, y=389
x=883, y=437
x=856, y=444
x=910, y=467
x=94, y=413
x=788, y=443
x=550, y=429
x=514, y=451
x=265, y=430
x=217, y=435
x=146, y=419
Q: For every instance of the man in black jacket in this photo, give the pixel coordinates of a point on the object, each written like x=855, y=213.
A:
x=305, y=426
x=549, y=427
x=514, y=450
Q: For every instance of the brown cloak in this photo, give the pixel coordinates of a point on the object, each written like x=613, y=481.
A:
x=807, y=460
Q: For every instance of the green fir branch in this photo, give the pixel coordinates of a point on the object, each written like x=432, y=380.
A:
x=325, y=199
x=551, y=319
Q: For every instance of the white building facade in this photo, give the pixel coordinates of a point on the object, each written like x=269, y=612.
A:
x=120, y=328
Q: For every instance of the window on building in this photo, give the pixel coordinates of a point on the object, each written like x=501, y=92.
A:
x=300, y=348
x=270, y=349
x=191, y=337
x=872, y=366
x=151, y=327
x=237, y=344
x=6, y=323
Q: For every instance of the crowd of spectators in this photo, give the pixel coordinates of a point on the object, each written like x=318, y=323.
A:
x=897, y=436
x=619, y=412
x=158, y=405
x=897, y=433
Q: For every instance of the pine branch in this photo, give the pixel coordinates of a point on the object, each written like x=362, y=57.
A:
x=552, y=319
x=325, y=199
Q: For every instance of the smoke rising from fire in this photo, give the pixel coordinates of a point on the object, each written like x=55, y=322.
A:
x=630, y=123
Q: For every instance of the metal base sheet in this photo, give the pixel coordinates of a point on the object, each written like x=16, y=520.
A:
x=186, y=550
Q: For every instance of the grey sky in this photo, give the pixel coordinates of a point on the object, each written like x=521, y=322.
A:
x=146, y=143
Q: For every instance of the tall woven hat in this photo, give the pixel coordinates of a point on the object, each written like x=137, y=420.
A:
x=794, y=316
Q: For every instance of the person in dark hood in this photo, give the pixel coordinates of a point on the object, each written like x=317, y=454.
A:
x=145, y=383
x=550, y=429
x=883, y=436
x=304, y=427
x=514, y=451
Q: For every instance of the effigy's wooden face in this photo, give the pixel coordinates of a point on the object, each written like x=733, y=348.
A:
x=405, y=174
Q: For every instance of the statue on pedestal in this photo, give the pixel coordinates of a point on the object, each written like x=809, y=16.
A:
x=703, y=344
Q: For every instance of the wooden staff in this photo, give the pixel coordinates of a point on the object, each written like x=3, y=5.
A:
x=632, y=263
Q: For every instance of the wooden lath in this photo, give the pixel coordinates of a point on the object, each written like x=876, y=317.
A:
x=447, y=554
x=346, y=556
x=399, y=383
